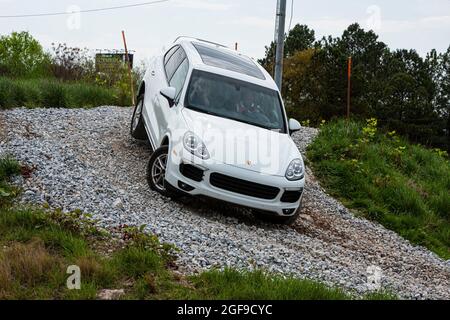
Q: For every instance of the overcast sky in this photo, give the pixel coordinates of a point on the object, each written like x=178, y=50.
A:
x=418, y=24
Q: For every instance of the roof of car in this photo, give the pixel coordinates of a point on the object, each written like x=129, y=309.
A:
x=220, y=59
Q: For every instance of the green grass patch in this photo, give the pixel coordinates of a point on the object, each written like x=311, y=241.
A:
x=37, y=246
x=231, y=284
x=403, y=186
x=51, y=93
x=258, y=285
x=8, y=168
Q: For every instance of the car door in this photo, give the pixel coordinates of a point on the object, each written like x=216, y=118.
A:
x=175, y=70
x=155, y=81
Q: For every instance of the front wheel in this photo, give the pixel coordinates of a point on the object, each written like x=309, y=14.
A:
x=156, y=173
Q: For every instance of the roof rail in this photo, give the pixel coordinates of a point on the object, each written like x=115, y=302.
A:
x=201, y=40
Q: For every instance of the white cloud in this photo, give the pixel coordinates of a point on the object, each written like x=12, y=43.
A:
x=251, y=21
x=425, y=23
x=202, y=5
x=329, y=25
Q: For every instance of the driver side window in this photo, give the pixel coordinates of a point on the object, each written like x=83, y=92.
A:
x=173, y=60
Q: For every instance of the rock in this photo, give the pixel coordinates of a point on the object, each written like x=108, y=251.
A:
x=108, y=294
x=29, y=193
x=118, y=203
x=83, y=173
x=306, y=217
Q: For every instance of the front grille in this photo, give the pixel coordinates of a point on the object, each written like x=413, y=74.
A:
x=191, y=172
x=291, y=196
x=245, y=187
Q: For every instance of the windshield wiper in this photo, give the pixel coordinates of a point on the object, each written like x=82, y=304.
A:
x=201, y=110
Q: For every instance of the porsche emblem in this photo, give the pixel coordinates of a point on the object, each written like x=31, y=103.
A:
x=248, y=162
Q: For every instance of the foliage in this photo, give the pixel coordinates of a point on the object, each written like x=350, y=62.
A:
x=8, y=168
x=136, y=236
x=22, y=56
x=231, y=284
x=378, y=173
x=402, y=90
x=31, y=77
x=299, y=38
x=48, y=93
x=37, y=245
x=71, y=63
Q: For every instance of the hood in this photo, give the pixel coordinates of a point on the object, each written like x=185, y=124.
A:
x=243, y=145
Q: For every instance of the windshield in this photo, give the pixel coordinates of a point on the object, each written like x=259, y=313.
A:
x=234, y=99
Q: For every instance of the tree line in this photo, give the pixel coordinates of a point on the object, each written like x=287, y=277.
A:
x=404, y=91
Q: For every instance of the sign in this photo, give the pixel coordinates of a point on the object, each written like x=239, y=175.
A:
x=107, y=62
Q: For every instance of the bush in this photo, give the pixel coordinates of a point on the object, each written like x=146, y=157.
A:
x=22, y=56
x=53, y=94
x=402, y=186
x=71, y=63
x=56, y=94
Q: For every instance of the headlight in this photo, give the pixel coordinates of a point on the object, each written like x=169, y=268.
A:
x=195, y=145
x=295, y=170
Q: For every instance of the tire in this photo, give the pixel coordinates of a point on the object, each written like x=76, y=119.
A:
x=137, y=127
x=276, y=219
x=157, y=164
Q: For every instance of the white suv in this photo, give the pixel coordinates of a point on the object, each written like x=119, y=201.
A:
x=216, y=122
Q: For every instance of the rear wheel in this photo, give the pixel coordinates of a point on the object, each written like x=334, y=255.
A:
x=137, y=129
x=156, y=173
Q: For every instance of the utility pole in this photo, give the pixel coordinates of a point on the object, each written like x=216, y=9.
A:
x=279, y=41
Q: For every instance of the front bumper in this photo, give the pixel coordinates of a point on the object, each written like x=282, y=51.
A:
x=205, y=188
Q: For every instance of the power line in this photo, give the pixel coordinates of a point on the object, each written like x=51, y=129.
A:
x=84, y=11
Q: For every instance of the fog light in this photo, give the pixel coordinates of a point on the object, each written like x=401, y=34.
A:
x=288, y=211
x=185, y=186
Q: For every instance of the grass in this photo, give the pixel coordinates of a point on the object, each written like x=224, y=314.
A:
x=37, y=245
x=8, y=167
x=256, y=285
x=34, y=93
x=403, y=186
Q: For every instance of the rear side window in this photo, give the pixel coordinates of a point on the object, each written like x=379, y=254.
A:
x=169, y=54
x=174, y=61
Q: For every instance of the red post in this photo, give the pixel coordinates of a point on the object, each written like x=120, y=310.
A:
x=127, y=59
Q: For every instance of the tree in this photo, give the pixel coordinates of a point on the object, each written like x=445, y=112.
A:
x=299, y=87
x=299, y=38
x=405, y=92
x=330, y=72
x=268, y=61
x=407, y=102
x=439, y=66
x=21, y=56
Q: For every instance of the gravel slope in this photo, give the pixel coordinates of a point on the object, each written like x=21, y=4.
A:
x=85, y=159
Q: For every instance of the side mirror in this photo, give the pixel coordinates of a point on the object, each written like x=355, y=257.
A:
x=169, y=94
x=294, y=126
